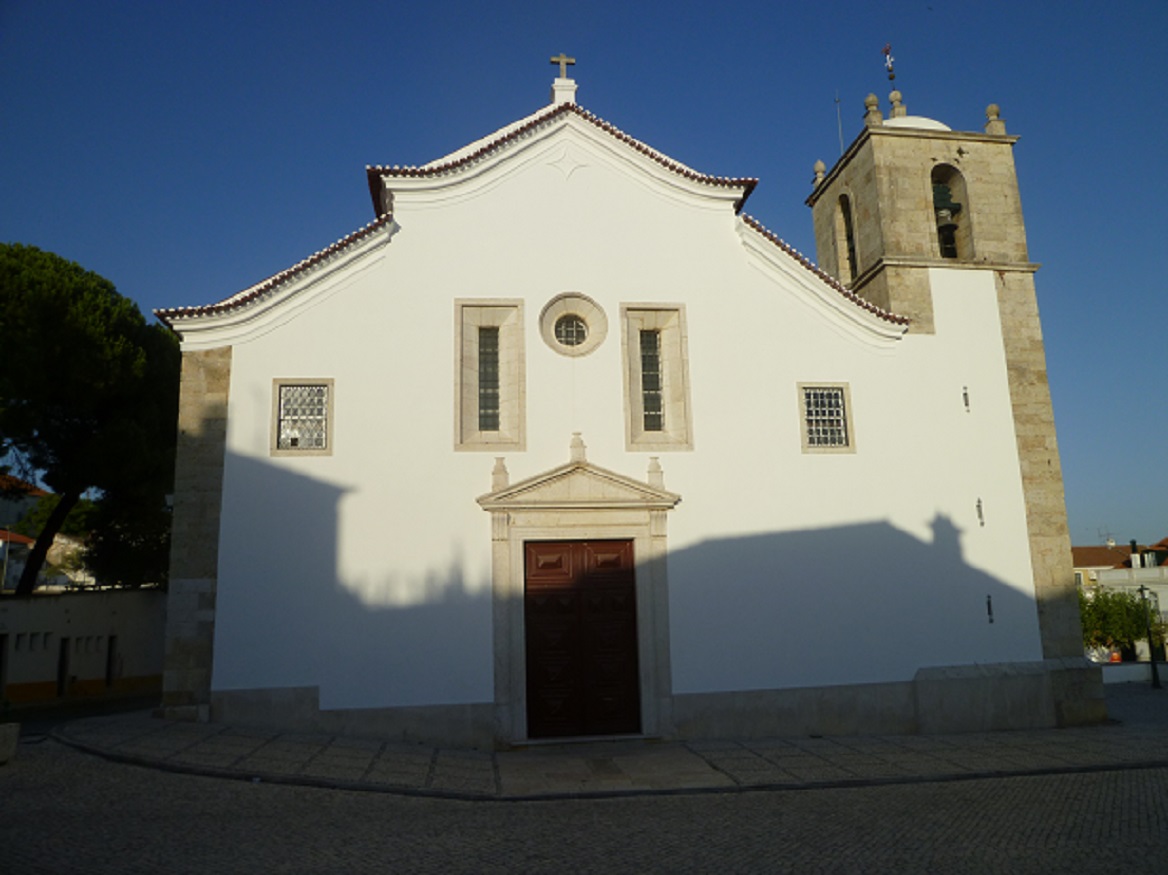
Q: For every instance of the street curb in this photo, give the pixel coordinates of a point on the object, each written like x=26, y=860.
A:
x=566, y=796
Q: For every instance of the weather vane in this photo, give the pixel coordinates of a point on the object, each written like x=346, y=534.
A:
x=888, y=61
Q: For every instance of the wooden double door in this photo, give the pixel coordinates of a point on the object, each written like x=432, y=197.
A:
x=580, y=622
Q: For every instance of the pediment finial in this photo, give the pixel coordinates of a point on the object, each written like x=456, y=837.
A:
x=656, y=475
x=500, y=476
x=577, y=448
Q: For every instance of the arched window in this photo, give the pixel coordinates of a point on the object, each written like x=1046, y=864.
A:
x=845, y=234
x=951, y=212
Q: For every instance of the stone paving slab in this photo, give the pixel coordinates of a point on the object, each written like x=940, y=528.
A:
x=629, y=767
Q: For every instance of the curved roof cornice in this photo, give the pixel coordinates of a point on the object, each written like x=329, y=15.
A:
x=267, y=290
x=838, y=297
x=380, y=177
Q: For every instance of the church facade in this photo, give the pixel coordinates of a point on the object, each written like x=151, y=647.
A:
x=564, y=444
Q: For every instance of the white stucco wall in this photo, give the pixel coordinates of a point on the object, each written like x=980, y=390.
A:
x=34, y=628
x=367, y=571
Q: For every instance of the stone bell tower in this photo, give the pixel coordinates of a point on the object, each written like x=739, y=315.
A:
x=911, y=194
x=908, y=204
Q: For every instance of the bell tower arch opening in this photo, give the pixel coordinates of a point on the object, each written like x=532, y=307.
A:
x=845, y=241
x=951, y=213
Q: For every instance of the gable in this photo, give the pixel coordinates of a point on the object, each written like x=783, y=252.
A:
x=548, y=193
x=480, y=159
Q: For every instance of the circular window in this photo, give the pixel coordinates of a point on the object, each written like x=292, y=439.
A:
x=571, y=330
x=573, y=324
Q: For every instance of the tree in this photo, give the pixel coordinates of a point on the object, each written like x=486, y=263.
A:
x=88, y=389
x=78, y=524
x=1117, y=619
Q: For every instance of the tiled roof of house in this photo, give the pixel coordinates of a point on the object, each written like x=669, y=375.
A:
x=1100, y=556
x=15, y=487
x=1118, y=556
x=14, y=538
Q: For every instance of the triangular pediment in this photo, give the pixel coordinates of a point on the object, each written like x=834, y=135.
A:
x=579, y=485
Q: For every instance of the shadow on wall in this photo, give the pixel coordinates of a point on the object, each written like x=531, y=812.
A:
x=848, y=604
x=284, y=619
x=862, y=603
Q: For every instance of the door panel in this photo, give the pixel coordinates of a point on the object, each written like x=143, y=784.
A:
x=580, y=616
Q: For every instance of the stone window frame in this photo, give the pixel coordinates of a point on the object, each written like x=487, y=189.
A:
x=275, y=449
x=849, y=423
x=506, y=314
x=584, y=308
x=670, y=321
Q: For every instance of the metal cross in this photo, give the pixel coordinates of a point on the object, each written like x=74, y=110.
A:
x=563, y=60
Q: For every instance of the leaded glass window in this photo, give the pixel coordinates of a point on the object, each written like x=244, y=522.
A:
x=489, y=378
x=825, y=416
x=651, y=396
x=303, y=417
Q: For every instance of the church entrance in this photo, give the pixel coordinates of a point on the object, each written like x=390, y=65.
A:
x=580, y=624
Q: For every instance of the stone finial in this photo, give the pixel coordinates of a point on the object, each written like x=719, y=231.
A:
x=577, y=448
x=500, y=477
x=994, y=123
x=899, y=110
x=656, y=475
x=820, y=169
x=873, y=117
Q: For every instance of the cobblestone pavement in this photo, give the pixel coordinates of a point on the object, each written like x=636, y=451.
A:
x=62, y=810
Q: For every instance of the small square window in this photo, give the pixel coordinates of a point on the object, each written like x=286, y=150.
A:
x=302, y=417
x=826, y=418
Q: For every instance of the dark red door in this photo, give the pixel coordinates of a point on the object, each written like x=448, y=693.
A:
x=580, y=621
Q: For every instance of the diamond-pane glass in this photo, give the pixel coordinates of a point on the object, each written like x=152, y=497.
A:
x=303, y=417
x=826, y=418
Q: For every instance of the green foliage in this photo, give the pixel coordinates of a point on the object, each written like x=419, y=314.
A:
x=78, y=524
x=130, y=545
x=88, y=389
x=1117, y=619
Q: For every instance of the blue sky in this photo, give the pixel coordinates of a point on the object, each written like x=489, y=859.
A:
x=186, y=150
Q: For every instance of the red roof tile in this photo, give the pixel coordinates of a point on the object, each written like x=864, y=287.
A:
x=265, y=287
x=13, y=486
x=830, y=280
x=1100, y=557
x=375, y=174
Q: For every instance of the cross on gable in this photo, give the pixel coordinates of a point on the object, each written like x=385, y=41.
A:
x=563, y=60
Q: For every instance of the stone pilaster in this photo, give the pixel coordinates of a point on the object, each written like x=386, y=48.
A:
x=1038, y=458
x=194, y=552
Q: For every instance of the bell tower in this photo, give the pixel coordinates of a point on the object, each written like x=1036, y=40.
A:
x=908, y=204
x=911, y=194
